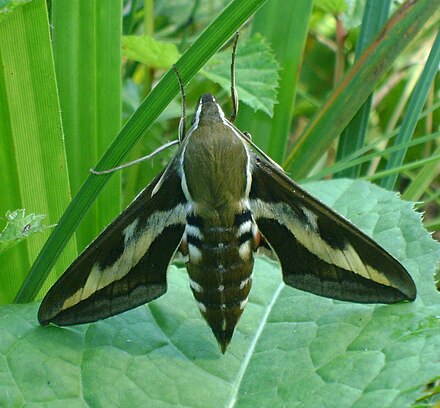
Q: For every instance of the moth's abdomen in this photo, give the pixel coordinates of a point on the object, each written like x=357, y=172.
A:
x=220, y=268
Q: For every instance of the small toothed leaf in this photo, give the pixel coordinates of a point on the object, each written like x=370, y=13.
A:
x=256, y=71
x=19, y=226
x=154, y=53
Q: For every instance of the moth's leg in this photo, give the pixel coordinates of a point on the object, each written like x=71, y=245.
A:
x=248, y=135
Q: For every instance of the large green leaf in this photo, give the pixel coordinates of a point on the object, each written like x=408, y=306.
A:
x=290, y=349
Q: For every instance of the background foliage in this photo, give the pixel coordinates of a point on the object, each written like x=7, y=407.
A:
x=301, y=81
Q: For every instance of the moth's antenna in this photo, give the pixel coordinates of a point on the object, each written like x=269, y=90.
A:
x=148, y=156
x=182, y=123
x=234, y=96
x=182, y=131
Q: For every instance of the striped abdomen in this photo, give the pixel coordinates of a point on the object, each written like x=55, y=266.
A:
x=220, y=268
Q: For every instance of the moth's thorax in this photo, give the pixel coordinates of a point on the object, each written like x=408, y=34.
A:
x=208, y=111
x=215, y=163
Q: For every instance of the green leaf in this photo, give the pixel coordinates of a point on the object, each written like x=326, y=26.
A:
x=290, y=349
x=8, y=6
x=358, y=84
x=353, y=12
x=332, y=6
x=354, y=135
x=287, y=39
x=87, y=52
x=154, y=53
x=20, y=226
x=256, y=71
x=32, y=152
x=414, y=109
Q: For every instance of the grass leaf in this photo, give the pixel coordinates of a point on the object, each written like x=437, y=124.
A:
x=354, y=135
x=87, y=57
x=32, y=152
x=287, y=38
x=358, y=83
x=414, y=109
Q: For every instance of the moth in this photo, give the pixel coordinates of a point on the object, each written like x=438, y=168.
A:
x=217, y=202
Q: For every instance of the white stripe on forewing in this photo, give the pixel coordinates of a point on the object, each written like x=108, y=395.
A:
x=346, y=258
x=312, y=218
x=135, y=248
x=196, y=117
x=182, y=175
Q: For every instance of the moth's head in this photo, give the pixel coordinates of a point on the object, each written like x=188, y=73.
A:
x=208, y=111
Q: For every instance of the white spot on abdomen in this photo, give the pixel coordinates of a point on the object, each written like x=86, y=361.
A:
x=201, y=307
x=245, y=227
x=198, y=288
x=245, y=250
x=244, y=282
x=193, y=231
x=195, y=254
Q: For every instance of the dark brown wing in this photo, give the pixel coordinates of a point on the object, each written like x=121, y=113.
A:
x=126, y=265
x=319, y=250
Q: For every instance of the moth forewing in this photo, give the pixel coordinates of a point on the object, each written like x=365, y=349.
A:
x=126, y=265
x=319, y=250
